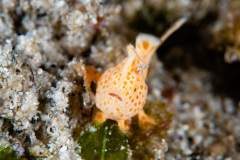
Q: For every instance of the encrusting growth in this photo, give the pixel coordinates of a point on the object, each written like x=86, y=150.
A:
x=121, y=91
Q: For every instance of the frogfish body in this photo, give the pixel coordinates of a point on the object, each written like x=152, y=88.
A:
x=121, y=90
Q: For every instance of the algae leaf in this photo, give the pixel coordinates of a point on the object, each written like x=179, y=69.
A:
x=7, y=153
x=106, y=142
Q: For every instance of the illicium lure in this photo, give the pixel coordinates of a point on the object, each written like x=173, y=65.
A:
x=121, y=90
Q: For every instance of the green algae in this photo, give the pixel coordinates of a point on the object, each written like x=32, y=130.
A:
x=105, y=142
x=7, y=153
